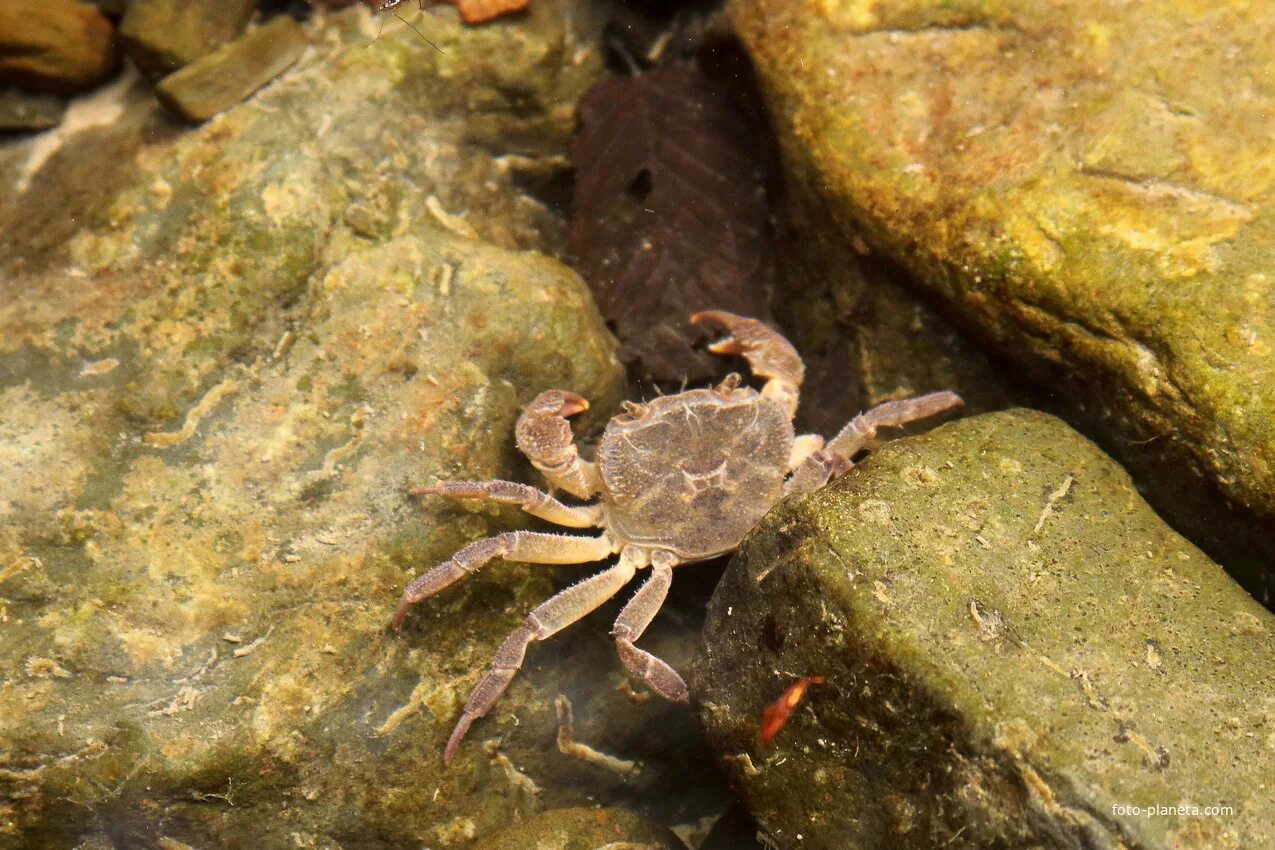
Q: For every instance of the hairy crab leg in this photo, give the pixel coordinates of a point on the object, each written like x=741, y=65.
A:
x=767, y=352
x=891, y=414
x=814, y=472
x=532, y=546
x=802, y=448
x=544, y=436
x=633, y=620
x=531, y=500
x=549, y=618
x=817, y=467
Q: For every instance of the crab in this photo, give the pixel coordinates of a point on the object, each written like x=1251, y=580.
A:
x=679, y=479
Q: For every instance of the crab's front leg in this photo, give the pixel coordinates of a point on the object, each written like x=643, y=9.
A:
x=891, y=414
x=767, y=352
x=812, y=469
x=544, y=436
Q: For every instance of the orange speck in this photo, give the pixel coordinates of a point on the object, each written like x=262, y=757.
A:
x=775, y=715
x=478, y=11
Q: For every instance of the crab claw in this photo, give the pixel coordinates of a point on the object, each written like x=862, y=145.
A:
x=544, y=436
x=767, y=352
x=557, y=403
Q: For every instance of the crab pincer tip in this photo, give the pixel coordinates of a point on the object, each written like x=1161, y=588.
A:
x=722, y=317
x=704, y=316
x=573, y=404
x=728, y=345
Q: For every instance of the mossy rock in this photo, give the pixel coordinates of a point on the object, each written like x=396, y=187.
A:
x=1103, y=219
x=582, y=829
x=225, y=357
x=1014, y=647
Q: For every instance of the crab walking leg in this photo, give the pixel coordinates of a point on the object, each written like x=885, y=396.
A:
x=814, y=472
x=891, y=414
x=803, y=448
x=544, y=436
x=532, y=546
x=530, y=499
x=769, y=354
x=549, y=618
x=633, y=620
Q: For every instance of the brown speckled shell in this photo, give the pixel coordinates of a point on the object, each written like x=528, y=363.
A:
x=696, y=472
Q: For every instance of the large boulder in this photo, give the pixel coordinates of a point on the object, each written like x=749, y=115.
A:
x=1016, y=652
x=225, y=357
x=57, y=46
x=1055, y=178
x=582, y=829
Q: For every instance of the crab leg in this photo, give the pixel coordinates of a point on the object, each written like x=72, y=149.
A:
x=769, y=354
x=812, y=470
x=891, y=414
x=802, y=448
x=549, y=618
x=633, y=620
x=531, y=546
x=544, y=436
x=530, y=499
x=813, y=473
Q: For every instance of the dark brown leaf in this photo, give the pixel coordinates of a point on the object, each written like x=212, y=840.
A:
x=669, y=214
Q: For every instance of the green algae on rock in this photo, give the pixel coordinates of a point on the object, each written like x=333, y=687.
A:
x=865, y=337
x=225, y=356
x=215, y=619
x=582, y=829
x=1014, y=645
x=1102, y=217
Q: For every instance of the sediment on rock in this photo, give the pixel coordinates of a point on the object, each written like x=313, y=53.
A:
x=1014, y=646
x=1107, y=235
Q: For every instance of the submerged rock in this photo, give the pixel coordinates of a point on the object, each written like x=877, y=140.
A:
x=1014, y=647
x=218, y=81
x=1102, y=218
x=226, y=354
x=582, y=829
x=21, y=111
x=865, y=337
x=59, y=46
x=161, y=36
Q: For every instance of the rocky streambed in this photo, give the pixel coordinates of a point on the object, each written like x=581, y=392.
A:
x=277, y=273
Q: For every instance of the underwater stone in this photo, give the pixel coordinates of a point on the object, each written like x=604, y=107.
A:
x=161, y=36
x=582, y=829
x=56, y=46
x=1101, y=218
x=232, y=72
x=22, y=111
x=1013, y=644
x=214, y=397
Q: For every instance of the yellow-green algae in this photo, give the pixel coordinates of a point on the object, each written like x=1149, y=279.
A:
x=1014, y=644
x=225, y=356
x=582, y=829
x=1088, y=186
